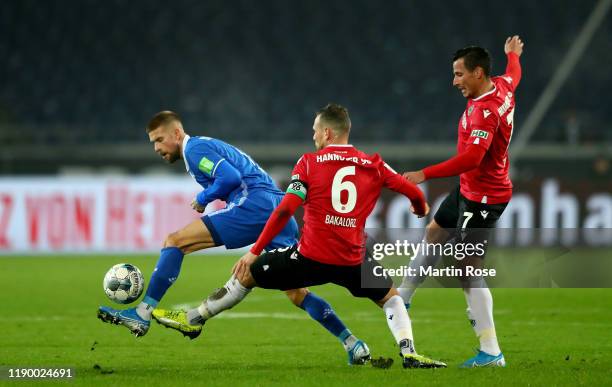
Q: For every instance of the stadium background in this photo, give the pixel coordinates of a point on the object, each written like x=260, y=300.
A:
x=81, y=79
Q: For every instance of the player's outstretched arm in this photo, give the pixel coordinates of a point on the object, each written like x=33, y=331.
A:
x=514, y=44
x=395, y=182
x=513, y=49
x=454, y=166
x=277, y=221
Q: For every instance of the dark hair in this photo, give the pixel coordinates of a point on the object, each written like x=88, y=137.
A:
x=475, y=57
x=162, y=118
x=336, y=116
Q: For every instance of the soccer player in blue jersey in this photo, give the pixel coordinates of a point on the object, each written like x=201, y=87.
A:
x=225, y=173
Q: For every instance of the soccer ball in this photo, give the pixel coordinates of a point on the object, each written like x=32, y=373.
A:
x=123, y=283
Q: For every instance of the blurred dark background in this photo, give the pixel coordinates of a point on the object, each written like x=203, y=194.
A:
x=85, y=76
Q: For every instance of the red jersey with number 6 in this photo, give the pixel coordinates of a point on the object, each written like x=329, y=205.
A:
x=340, y=186
x=488, y=122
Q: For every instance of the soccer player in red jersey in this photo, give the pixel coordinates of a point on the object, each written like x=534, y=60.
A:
x=485, y=130
x=338, y=186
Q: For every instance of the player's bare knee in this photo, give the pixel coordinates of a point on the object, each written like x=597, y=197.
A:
x=296, y=296
x=392, y=292
x=246, y=279
x=174, y=240
x=434, y=233
x=464, y=281
x=472, y=282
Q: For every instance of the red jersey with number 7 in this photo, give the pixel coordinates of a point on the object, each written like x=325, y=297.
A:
x=340, y=186
x=488, y=122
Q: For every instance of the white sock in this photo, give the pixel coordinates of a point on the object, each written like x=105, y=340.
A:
x=480, y=313
x=399, y=323
x=145, y=311
x=411, y=283
x=194, y=317
x=221, y=299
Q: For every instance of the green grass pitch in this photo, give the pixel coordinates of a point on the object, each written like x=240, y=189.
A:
x=48, y=318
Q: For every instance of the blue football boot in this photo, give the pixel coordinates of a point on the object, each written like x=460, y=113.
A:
x=127, y=317
x=483, y=359
x=359, y=353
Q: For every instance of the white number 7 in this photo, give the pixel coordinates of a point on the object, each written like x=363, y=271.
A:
x=468, y=216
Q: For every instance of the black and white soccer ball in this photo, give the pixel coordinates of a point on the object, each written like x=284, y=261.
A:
x=123, y=283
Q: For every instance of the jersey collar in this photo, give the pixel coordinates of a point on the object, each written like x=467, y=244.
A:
x=185, y=139
x=340, y=145
x=487, y=93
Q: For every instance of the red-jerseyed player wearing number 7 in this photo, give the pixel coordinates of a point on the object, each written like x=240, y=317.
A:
x=469, y=211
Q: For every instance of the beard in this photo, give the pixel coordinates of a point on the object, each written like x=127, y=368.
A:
x=172, y=157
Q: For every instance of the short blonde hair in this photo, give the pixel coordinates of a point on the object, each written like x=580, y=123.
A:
x=162, y=118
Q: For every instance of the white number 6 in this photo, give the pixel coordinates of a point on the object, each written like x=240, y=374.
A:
x=338, y=186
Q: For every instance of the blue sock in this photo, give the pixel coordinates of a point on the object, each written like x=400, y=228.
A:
x=322, y=312
x=165, y=273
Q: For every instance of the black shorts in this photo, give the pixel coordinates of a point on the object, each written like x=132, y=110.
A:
x=286, y=269
x=466, y=220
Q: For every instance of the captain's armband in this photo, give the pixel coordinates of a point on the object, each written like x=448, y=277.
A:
x=298, y=187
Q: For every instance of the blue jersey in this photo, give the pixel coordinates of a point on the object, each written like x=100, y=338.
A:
x=224, y=171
